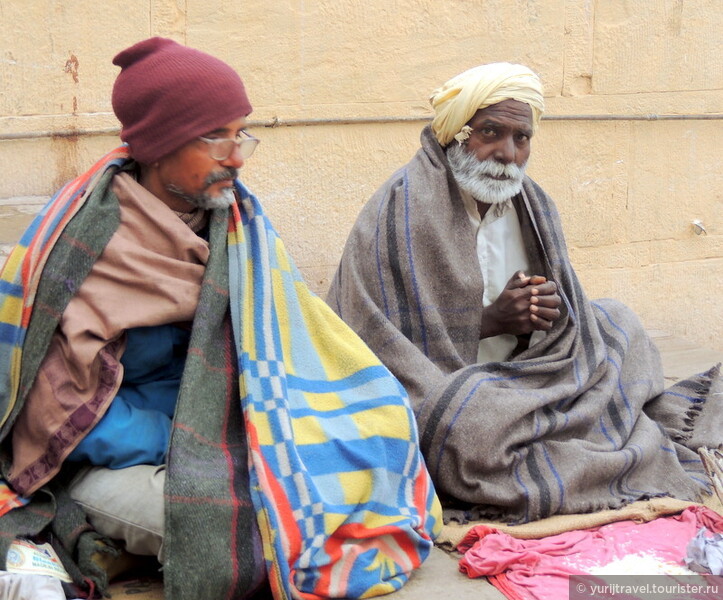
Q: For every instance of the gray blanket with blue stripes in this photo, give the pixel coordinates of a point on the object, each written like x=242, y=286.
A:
x=578, y=422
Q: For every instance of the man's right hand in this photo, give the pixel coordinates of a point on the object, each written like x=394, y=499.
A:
x=527, y=303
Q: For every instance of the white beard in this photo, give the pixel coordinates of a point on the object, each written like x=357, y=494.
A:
x=478, y=177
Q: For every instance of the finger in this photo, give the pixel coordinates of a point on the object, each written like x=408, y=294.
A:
x=547, y=301
x=540, y=323
x=537, y=279
x=545, y=289
x=548, y=314
x=518, y=280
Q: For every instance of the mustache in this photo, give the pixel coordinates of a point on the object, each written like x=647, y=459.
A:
x=495, y=169
x=224, y=175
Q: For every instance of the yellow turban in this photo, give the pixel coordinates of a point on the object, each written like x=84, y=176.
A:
x=457, y=100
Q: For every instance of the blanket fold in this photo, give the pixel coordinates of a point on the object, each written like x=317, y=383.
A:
x=294, y=452
x=561, y=427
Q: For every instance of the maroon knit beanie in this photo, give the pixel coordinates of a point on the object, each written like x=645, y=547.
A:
x=167, y=94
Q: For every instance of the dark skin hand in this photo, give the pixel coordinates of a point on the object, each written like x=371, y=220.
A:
x=527, y=303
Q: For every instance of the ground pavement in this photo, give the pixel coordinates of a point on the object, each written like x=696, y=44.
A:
x=439, y=577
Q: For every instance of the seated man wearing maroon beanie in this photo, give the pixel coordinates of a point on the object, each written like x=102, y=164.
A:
x=129, y=407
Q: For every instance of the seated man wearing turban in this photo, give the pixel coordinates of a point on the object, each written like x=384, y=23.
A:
x=530, y=399
x=170, y=386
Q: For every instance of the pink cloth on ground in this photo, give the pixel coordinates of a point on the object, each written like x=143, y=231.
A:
x=540, y=569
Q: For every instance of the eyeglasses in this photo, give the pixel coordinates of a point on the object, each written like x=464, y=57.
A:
x=222, y=148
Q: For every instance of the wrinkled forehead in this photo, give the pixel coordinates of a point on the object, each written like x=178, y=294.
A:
x=511, y=113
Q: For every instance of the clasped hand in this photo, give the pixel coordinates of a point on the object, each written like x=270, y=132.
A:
x=527, y=303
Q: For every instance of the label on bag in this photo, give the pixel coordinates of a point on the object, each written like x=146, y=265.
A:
x=35, y=559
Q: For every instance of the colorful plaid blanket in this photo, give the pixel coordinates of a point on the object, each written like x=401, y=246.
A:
x=343, y=501
x=345, y=505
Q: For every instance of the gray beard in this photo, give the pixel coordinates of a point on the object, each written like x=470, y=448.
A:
x=205, y=201
x=477, y=177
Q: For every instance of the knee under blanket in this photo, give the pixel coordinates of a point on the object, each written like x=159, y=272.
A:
x=286, y=423
x=578, y=422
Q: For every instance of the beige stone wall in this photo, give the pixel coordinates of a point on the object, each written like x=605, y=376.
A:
x=628, y=189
